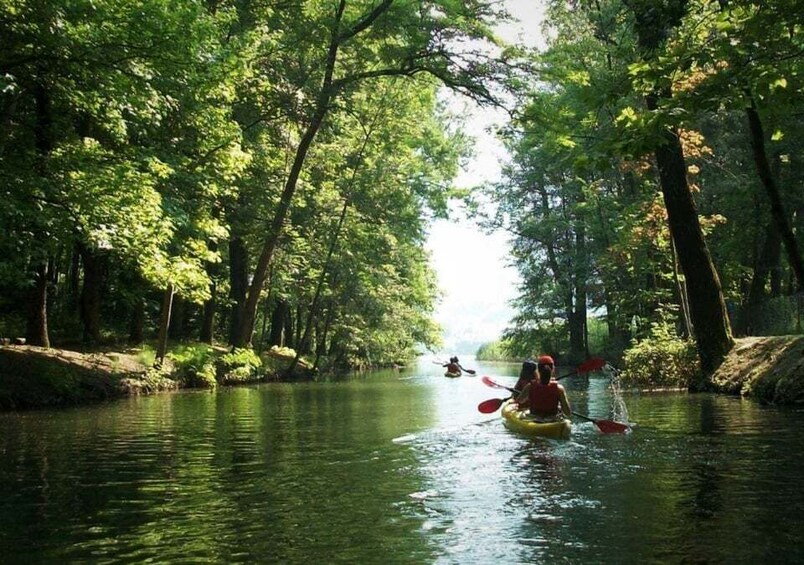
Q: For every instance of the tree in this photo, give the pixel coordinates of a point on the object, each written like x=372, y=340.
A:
x=363, y=42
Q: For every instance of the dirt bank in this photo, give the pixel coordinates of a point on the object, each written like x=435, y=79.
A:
x=32, y=377
x=767, y=369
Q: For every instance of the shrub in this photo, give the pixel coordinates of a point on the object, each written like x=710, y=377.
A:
x=195, y=365
x=241, y=365
x=661, y=360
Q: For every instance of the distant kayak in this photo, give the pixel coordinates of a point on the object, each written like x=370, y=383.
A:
x=521, y=422
x=452, y=375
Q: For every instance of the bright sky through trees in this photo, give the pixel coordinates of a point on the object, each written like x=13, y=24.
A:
x=473, y=274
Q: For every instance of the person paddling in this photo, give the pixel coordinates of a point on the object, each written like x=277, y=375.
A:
x=526, y=374
x=543, y=395
x=453, y=367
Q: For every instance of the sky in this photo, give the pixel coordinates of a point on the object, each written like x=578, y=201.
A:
x=474, y=276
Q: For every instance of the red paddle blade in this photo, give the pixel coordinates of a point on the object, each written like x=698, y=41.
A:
x=490, y=405
x=593, y=364
x=612, y=427
x=487, y=381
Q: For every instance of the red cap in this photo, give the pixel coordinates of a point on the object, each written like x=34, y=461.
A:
x=545, y=360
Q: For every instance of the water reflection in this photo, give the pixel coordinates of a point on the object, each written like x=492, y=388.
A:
x=399, y=467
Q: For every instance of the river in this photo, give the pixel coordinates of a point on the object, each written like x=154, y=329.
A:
x=399, y=467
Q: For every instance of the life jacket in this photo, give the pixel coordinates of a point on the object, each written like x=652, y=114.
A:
x=544, y=399
x=453, y=368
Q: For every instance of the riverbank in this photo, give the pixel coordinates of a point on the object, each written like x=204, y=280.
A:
x=34, y=377
x=767, y=369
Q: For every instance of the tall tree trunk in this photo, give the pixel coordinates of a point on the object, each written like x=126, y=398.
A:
x=91, y=293
x=710, y=321
x=164, y=325
x=707, y=307
x=322, y=106
x=769, y=183
x=238, y=284
x=36, y=332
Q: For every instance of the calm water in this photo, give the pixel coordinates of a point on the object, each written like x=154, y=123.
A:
x=399, y=467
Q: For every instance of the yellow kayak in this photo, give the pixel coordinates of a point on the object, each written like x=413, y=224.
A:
x=520, y=421
x=452, y=375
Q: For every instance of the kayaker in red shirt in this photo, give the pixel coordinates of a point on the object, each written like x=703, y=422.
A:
x=543, y=395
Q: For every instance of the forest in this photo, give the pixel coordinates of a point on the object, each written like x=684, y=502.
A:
x=654, y=194
x=255, y=174
x=235, y=172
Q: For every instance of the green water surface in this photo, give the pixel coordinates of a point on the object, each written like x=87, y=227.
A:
x=399, y=467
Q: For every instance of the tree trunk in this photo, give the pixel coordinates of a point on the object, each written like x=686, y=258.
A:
x=238, y=284
x=654, y=22
x=36, y=332
x=91, y=293
x=707, y=307
x=246, y=325
x=164, y=325
x=769, y=183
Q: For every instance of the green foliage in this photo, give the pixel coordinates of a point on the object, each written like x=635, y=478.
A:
x=531, y=338
x=662, y=360
x=601, y=343
x=495, y=351
x=146, y=356
x=239, y=366
x=194, y=365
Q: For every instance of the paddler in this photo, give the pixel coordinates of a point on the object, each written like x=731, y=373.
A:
x=544, y=395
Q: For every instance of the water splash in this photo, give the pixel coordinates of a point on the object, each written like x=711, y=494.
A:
x=619, y=409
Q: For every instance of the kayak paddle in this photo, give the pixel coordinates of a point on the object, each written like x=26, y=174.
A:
x=606, y=426
x=592, y=364
x=491, y=405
